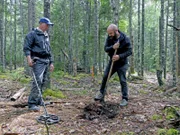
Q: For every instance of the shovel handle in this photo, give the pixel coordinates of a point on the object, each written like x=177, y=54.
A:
x=110, y=71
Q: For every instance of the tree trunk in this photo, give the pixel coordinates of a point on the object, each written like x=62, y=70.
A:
x=159, y=77
x=1, y=33
x=85, y=49
x=162, y=62
x=178, y=38
x=22, y=27
x=71, y=21
x=139, y=43
x=160, y=69
x=161, y=44
x=96, y=35
x=166, y=40
x=142, y=43
x=31, y=24
x=47, y=15
x=88, y=40
x=47, y=8
x=174, y=46
x=15, y=50
x=115, y=8
x=131, y=38
x=5, y=31
x=11, y=37
x=31, y=14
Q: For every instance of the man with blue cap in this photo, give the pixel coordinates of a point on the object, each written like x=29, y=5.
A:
x=38, y=53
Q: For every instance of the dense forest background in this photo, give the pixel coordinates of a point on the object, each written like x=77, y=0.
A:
x=79, y=32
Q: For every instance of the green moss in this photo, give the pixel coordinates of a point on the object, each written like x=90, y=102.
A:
x=78, y=77
x=162, y=132
x=156, y=117
x=170, y=112
x=58, y=74
x=53, y=93
x=168, y=132
x=4, y=76
x=72, y=77
x=143, y=92
x=75, y=84
x=80, y=92
x=17, y=74
x=25, y=80
x=116, y=78
x=63, y=82
x=81, y=75
x=172, y=132
x=126, y=133
x=145, y=85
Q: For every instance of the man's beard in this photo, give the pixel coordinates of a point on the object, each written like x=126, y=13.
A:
x=114, y=37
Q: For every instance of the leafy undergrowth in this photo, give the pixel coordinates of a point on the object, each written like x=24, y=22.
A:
x=147, y=113
x=16, y=75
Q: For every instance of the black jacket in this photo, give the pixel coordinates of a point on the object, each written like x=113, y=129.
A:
x=36, y=44
x=123, y=51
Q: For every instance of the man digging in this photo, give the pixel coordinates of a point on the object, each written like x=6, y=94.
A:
x=116, y=40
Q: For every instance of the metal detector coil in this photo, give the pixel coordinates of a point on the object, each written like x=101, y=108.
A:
x=50, y=119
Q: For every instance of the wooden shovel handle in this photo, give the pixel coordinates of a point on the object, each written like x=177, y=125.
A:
x=110, y=71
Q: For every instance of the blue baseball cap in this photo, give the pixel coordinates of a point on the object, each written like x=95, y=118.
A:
x=46, y=20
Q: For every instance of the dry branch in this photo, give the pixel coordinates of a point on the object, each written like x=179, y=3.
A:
x=178, y=29
x=18, y=94
x=170, y=90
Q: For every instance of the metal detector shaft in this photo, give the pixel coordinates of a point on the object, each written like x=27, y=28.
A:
x=40, y=93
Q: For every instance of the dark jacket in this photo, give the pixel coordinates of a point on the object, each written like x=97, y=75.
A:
x=36, y=44
x=123, y=51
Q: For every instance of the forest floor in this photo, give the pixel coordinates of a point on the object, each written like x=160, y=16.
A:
x=149, y=111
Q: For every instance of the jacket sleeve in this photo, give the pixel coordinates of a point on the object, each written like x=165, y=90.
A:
x=128, y=49
x=28, y=42
x=108, y=48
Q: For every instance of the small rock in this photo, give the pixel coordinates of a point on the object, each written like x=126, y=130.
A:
x=95, y=120
x=72, y=131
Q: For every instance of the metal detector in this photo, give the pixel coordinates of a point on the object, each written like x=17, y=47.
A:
x=46, y=118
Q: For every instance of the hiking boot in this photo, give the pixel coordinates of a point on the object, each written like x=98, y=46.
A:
x=34, y=108
x=124, y=102
x=99, y=96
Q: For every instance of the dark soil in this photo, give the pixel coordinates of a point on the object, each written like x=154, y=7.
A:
x=101, y=110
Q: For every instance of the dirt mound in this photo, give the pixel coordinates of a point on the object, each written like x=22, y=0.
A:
x=103, y=110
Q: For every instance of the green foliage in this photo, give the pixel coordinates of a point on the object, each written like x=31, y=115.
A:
x=16, y=75
x=156, y=117
x=168, y=132
x=172, y=132
x=53, y=93
x=80, y=92
x=143, y=92
x=162, y=132
x=58, y=74
x=126, y=133
x=78, y=77
x=123, y=25
x=170, y=112
x=3, y=76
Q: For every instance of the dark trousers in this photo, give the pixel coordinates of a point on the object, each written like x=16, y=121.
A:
x=121, y=71
x=40, y=69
